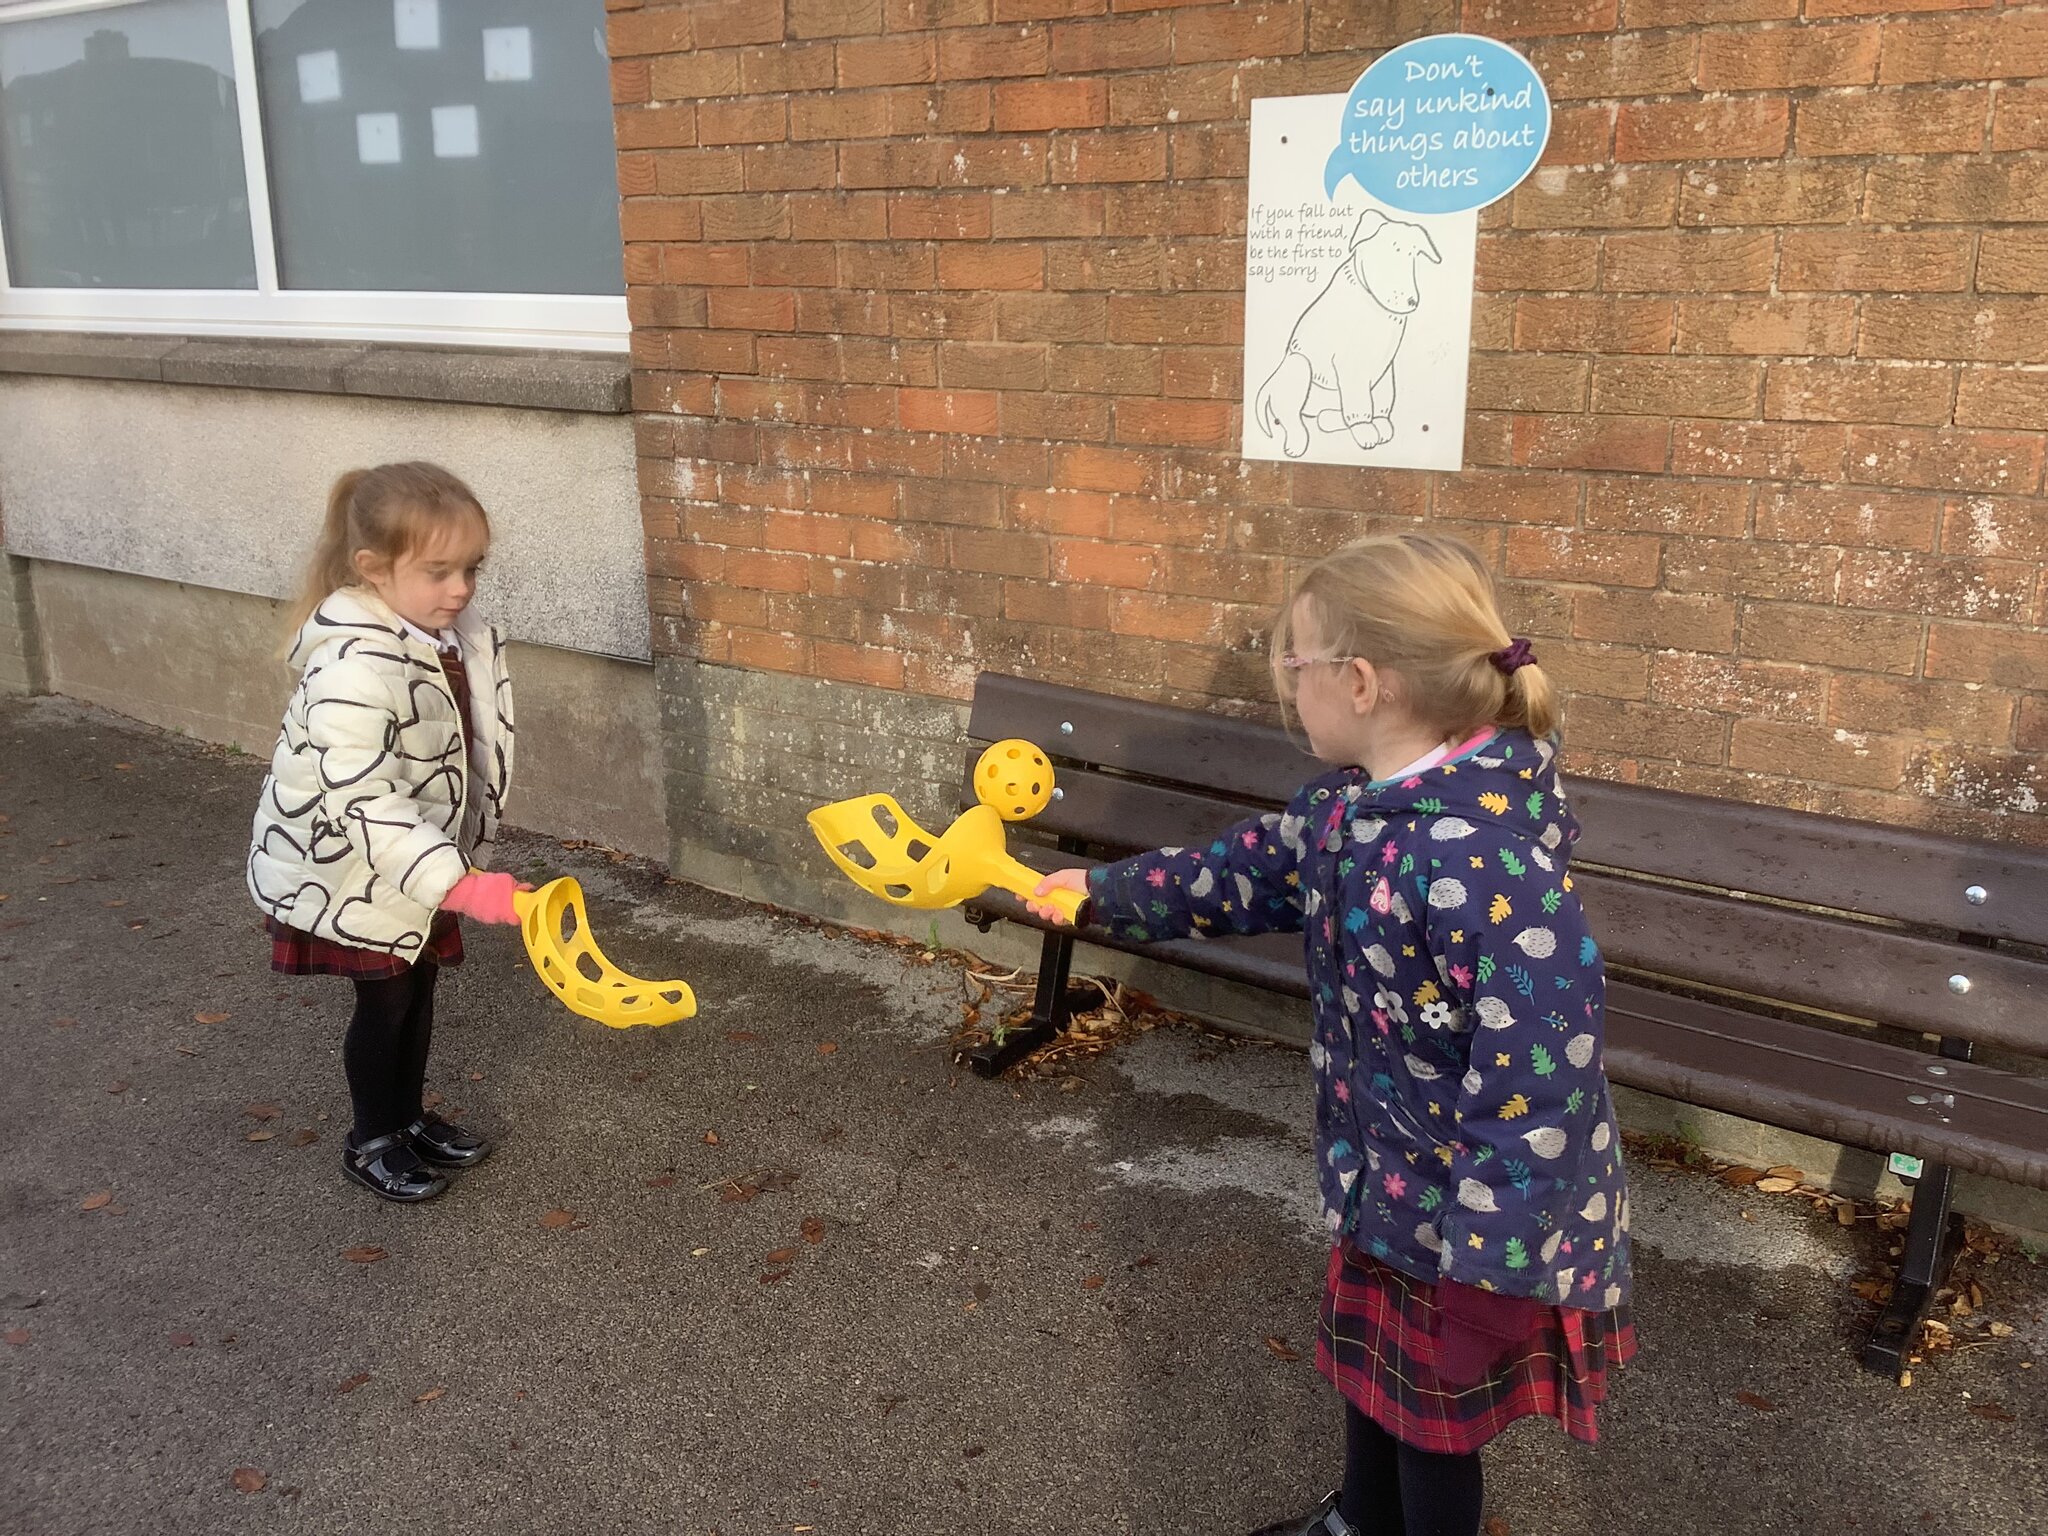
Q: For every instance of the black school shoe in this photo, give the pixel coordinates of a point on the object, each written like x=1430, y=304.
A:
x=388, y=1166
x=1323, y=1520
x=446, y=1145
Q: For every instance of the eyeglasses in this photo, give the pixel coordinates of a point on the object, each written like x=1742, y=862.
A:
x=1287, y=661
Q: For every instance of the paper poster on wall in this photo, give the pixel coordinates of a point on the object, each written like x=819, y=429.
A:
x=1360, y=240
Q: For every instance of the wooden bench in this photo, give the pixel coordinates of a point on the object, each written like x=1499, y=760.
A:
x=1865, y=984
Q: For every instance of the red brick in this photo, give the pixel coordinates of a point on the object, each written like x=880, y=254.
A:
x=1105, y=469
x=1783, y=192
x=1746, y=568
x=655, y=127
x=1590, y=442
x=1227, y=33
x=1038, y=105
x=999, y=266
x=890, y=163
x=1642, y=64
x=1857, y=519
x=725, y=23
x=1684, y=13
x=899, y=264
x=1006, y=163
x=904, y=60
x=1766, y=327
x=2022, y=120
x=1997, y=591
x=763, y=216
x=1676, y=386
x=1986, y=330
x=789, y=167
x=2013, y=45
x=1578, y=199
x=1874, y=392
x=1000, y=552
x=1788, y=58
x=748, y=120
x=1988, y=653
x=1086, y=47
x=2013, y=261
x=1049, y=414
x=944, y=216
x=809, y=265
x=1074, y=607
x=1834, y=638
x=639, y=32
x=1655, y=619
x=1216, y=319
x=1052, y=317
x=1202, y=373
x=1526, y=382
x=786, y=67
x=1092, y=264
x=1197, y=423
x=1946, y=121
x=2002, y=397
x=753, y=309
x=1967, y=190
x=1688, y=263
x=1135, y=156
x=833, y=18
x=836, y=116
x=841, y=216
x=1937, y=711
x=1601, y=559
x=685, y=172
x=1656, y=504
x=994, y=53
x=944, y=317
x=1749, y=688
x=1537, y=263
x=1109, y=565
x=1750, y=127
x=1759, y=450
x=1593, y=325
x=1082, y=513
x=1108, y=370
x=1875, y=261
x=1170, y=213
x=1067, y=213
x=1838, y=757
x=1951, y=459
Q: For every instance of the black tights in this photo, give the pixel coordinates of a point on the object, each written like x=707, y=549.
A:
x=1391, y=1489
x=385, y=1050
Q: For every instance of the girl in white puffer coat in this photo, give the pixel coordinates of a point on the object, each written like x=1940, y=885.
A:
x=384, y=793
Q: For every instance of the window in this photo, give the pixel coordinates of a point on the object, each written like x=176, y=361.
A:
x=398, y=170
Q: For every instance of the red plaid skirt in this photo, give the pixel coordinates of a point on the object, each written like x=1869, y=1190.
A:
x=1377, y=1344
x=296, y=953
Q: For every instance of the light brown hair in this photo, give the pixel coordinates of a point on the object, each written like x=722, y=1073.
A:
x=1422, y=606
x=390, y=511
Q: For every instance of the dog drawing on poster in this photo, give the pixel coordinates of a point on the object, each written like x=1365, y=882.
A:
x=1338, y=371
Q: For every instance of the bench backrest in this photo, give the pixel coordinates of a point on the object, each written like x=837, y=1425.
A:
x=1914, y=930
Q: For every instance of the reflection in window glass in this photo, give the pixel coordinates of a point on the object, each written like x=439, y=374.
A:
x=468, y=150
x=120, y=150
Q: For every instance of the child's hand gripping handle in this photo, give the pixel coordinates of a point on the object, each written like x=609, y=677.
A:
x=1059, y=896
x=486, y=897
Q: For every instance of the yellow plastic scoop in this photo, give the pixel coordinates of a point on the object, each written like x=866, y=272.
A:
x=881, y=850
x=558, y=942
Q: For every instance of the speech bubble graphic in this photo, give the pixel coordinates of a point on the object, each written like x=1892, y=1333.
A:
x=1442, y=125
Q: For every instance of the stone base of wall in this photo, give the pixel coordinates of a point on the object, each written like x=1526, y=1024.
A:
x=203, y=662
x=21, y=654
x=750, y=753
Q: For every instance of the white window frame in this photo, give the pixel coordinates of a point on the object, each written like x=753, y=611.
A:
x=593, y=322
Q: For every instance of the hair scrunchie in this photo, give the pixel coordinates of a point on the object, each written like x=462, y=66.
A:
x=1517, y=655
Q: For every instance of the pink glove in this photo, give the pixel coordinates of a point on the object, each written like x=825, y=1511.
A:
x=485, y=897
x=1475, y=1328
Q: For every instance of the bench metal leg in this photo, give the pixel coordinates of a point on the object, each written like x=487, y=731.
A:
x=1048, y=1012
x=1933, y=1238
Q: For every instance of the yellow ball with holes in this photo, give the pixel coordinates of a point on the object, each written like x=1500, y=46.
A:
x=1015, y=778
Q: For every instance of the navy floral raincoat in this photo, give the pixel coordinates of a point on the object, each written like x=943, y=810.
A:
x=1463, y=1123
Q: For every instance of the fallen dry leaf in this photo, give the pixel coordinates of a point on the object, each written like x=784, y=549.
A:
x=1776, y=1185
x=740, y=1036
x=1739, y=1177
x=476, y=1077
x=304, y=1136
x=259, y=1136
x=182, y=1341
x=1760, y=1404
x=813, y=1230
x=775, y=1277
x=361, y=1378
x=98, y=1200
x=211, y=1018
x=1280, y=1348
x=557, y=1218
x=1787, y=1171
x=661, y=1181
x=638, y=1077
x=432, y=1394
x=247, y=1480
x=367, y=1254
x=117, y=1087
x=1996, y=1412
x=63, y=1023
x=431, y=1099
x=827, y=1047
x=262, y=1111
x=1094, y=1282
x=711, y=1138
x=15, y=1336
x=1495, y=1526
x=124, y=767
x=780, y=1256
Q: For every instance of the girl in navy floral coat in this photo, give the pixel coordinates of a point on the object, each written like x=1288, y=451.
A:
x=1471, y=1173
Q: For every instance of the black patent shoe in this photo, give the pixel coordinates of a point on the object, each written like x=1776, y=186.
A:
x=1323, y=1520
x=388, y=1166
x=446, y=1145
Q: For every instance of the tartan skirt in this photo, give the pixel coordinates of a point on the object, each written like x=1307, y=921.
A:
x=297, y=953
x=1377, y=1344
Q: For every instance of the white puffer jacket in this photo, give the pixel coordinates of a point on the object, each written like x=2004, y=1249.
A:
x=370, y=815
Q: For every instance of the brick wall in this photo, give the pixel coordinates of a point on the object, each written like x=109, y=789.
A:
x=938, y=304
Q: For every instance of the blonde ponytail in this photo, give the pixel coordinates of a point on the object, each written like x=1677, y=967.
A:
x=389, y=511
x=1423, y=606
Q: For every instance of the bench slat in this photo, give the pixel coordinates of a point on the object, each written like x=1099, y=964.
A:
x=1871, y=973
x=1828, y=861
x=1837, y=1087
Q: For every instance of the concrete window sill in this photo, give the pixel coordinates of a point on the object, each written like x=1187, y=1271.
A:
x=596, y=382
